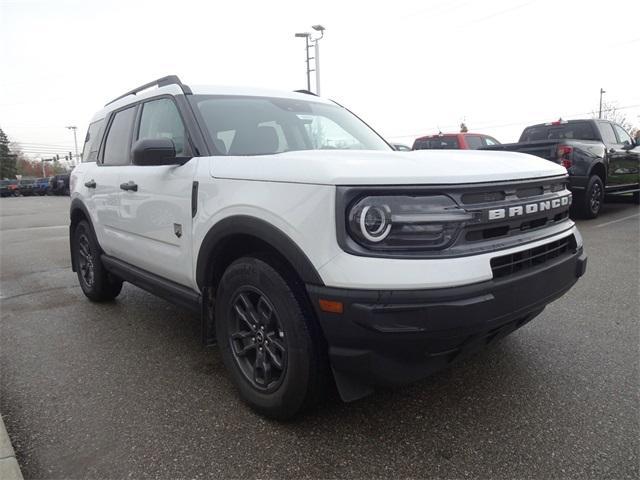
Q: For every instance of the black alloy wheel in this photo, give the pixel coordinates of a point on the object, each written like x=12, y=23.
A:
x=257, y=339
x=86, y=267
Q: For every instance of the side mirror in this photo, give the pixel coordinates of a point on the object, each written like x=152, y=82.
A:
x=155, y=151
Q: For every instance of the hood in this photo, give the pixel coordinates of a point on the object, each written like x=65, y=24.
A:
x=365, y=167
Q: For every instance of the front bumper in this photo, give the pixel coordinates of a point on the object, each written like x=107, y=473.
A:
x=392, y=337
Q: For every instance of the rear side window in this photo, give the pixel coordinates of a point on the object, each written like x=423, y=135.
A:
x=116, y=148
x=473, y=142
x=608, y=136
x=92, y=141
x=160, y=119
x=490, y=141
x=564, y=131
x=437, y=143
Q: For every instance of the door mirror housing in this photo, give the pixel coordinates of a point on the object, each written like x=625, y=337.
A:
x=156, y=151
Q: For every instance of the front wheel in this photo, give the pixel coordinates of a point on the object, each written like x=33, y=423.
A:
x=589, y=203
x=96, y=283
x=269, y=339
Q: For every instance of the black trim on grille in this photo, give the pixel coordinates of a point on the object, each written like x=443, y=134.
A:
x=526, y=259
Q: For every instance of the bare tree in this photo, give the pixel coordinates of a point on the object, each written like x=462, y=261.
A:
x=611, y=112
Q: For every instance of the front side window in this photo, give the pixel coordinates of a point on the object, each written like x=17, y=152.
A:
x=116, y=148
x=92, y=141
x=160, y=119
x=241, y=125
x=623, y=137
x=490, y=141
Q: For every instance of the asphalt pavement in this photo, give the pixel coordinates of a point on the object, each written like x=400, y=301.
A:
x=126, y=390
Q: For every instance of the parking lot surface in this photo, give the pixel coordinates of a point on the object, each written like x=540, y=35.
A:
x=125, y=388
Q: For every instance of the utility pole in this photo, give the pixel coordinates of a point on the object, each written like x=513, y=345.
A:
x=75, y=141
x=600, y=110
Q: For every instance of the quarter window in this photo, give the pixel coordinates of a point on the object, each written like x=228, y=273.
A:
x=116, y=148
x=92, y=142
x=160, y=119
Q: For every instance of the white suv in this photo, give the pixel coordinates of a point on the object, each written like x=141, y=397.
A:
x=311, y=249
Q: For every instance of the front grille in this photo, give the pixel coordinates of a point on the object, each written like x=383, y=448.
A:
x=526, y=259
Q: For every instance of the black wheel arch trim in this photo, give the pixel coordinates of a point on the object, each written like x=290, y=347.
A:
x=76, y=204
x=247, y=225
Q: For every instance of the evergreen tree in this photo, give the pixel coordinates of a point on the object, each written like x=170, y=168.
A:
x=7, y=159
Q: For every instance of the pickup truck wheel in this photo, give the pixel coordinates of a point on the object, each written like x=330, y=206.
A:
x=590, y=202
x=268, y=339
x=96, y=283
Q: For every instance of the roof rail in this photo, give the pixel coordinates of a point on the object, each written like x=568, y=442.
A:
x=306, y=92
x=160, y=82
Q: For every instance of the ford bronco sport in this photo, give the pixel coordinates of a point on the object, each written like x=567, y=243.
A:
x=311, y=250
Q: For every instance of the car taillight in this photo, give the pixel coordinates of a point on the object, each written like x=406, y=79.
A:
x=564, y=155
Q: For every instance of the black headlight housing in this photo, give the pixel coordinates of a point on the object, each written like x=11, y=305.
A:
x=397, y=223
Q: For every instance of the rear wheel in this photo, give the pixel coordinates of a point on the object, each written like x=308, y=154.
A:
x=96, y=283
x=636, y=197
x=268, y=338
x=589, y=203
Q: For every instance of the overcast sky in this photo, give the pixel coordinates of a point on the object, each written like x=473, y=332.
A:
x=406, y=67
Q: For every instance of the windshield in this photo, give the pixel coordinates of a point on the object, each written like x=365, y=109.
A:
x=240, y=125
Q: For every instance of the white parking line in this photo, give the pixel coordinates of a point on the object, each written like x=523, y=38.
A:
x=618, y=220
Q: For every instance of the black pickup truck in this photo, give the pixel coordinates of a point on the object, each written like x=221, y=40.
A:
x=600, y=156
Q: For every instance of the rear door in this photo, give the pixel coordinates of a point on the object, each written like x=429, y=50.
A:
x=102, y=183
x=155, y=220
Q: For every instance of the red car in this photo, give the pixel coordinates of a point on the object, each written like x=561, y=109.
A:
x=454, y=141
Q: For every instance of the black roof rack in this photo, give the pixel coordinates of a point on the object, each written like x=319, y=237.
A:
x=306, y=92
x=161, y=82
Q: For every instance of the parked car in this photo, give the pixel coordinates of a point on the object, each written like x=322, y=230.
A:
x=454, y=141
x=310, y=247
x=12, y=188
x=5, y=191
x=41, y=186
x=600, y=156
x=26, y=186
x=60, y=184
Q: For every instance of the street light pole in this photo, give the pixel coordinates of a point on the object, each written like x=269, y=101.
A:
x=306, y=36
x=316, y=58
x=600, y=110
x=318, y=28
x=75, y=141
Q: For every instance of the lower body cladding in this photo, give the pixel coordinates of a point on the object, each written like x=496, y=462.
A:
x=394, y=337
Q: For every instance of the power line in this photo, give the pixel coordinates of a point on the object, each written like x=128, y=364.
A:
x=512, y=124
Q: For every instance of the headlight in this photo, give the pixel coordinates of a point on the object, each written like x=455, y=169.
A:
x=405, y=223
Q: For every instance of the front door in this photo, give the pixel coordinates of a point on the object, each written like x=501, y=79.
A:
x=155, y=219
x=624, y=163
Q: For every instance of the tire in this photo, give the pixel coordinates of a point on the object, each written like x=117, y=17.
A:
x=269, y=339
x=636, y=198
x=590, y=202
x=96, y=283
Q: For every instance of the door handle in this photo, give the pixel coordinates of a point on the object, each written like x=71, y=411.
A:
x=90, y=184
x=129, y=186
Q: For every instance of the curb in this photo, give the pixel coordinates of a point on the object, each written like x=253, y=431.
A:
x=9, y=468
